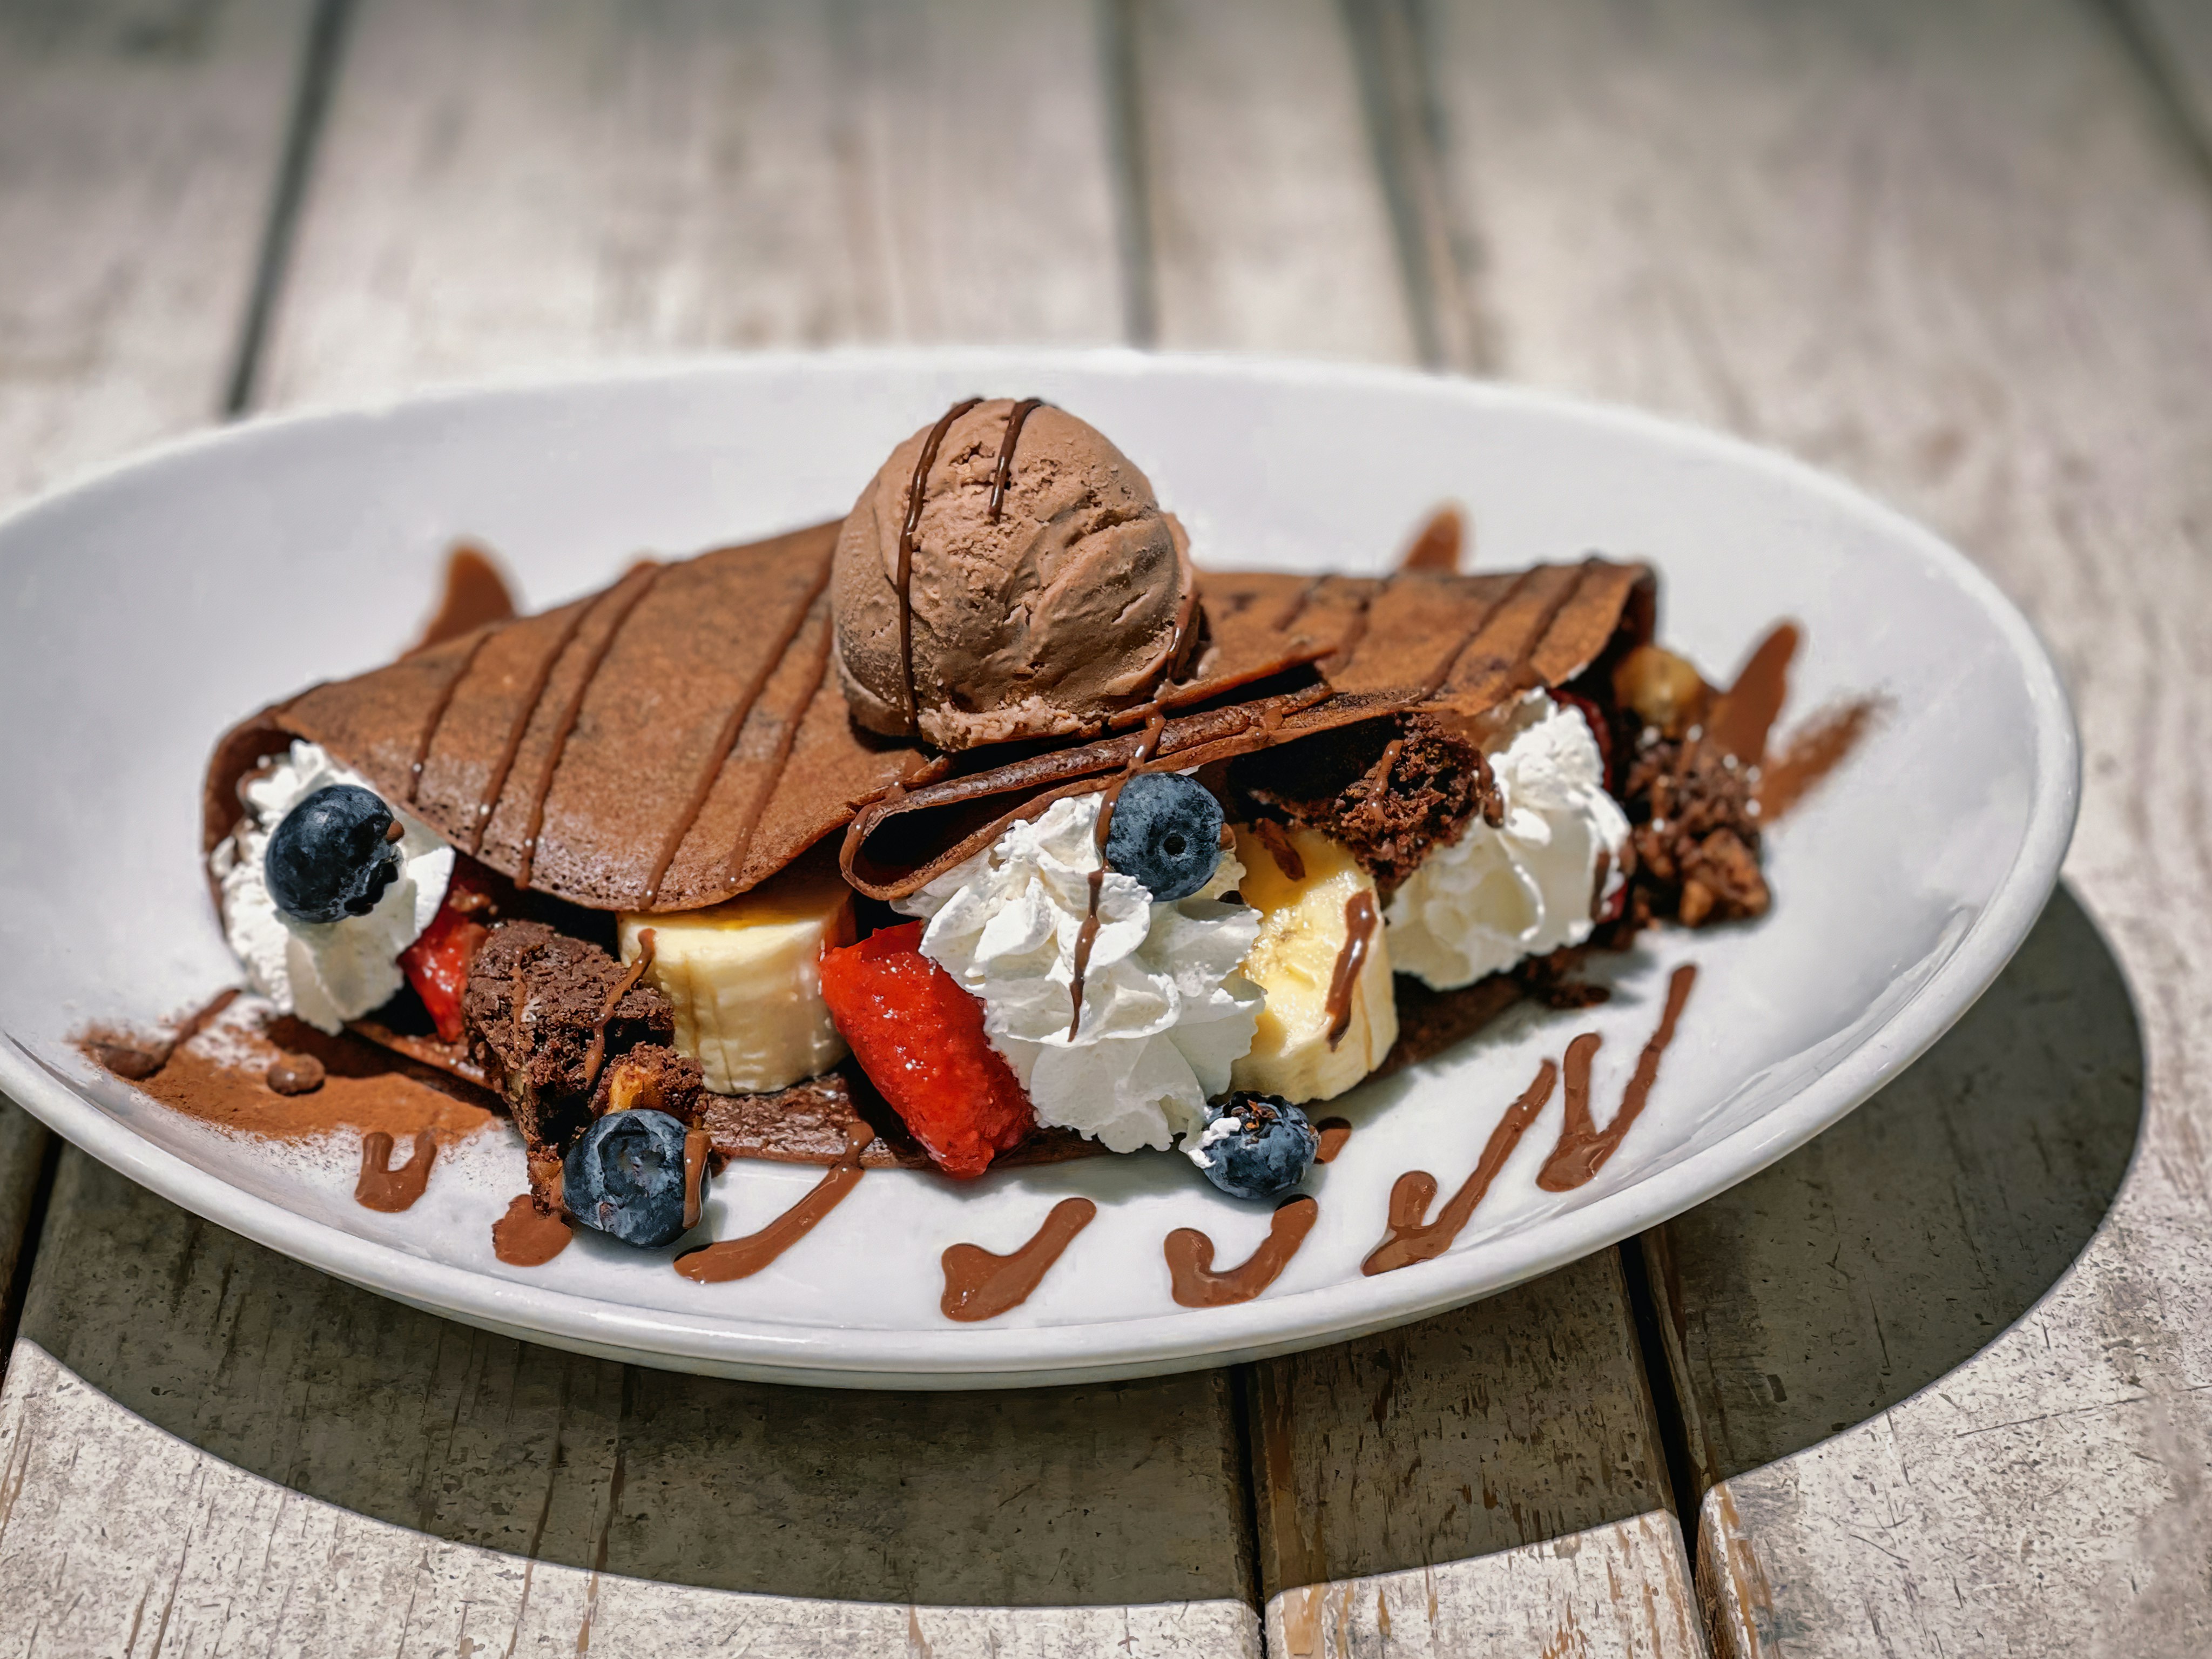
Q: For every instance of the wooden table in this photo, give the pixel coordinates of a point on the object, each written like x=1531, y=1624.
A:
x=1939, y=1384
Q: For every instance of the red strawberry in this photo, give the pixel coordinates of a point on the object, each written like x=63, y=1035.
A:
x=919, y=1038
x=437, y=964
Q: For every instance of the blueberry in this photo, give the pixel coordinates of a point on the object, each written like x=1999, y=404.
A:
x=1166, y=832
x=1262, y=1147
x=624, y=1178
x=332, y=856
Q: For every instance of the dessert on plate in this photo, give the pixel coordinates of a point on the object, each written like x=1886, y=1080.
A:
x=984, y=826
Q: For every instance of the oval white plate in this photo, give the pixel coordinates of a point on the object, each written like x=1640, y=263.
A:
x=147, y=608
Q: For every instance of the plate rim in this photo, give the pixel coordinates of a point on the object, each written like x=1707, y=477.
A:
x=966, y=1356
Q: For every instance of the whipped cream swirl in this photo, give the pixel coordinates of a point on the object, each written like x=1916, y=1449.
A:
x=325, y=972
x=1165, y=1013
x=1495, y=897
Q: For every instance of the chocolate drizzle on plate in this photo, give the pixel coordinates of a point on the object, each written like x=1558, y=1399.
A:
x=1438, y=546
x=527, y=1237
x=1088, y=934
x=917, y=491
x=476, y=595
x=1360, y=920
x=135, y=1061
x=741, y=1258
x=1334, y=1132
x=1583, y=1148
x=1411, y=1237
x=1191, y=1273
x=384, y=1187
x=1743, y=714
x=980, y=1285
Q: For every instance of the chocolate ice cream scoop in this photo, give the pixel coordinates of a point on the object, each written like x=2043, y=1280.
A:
x=1007, y=573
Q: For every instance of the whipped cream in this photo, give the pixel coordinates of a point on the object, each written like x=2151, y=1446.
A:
x=325, y=972
x=1165, y=1013
x=1495, y=897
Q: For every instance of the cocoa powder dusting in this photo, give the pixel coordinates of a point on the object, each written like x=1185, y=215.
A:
x=364, y=1087
x=1810, y=753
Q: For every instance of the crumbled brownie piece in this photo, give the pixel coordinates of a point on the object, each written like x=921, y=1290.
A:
x=1388, y=790
x=533, y=1006
x=1694, y=833
x=652, y=1077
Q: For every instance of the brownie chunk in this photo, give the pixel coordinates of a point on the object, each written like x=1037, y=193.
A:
x=652, y=1077
x=533, y=1004
x=1388, y=790
x=1694, y=833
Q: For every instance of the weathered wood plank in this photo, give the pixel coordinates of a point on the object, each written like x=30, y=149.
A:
x=2176, y=36
x=1492, y=1476
x=1958, y=253
x=138, y=143
x=1269, y=228
x=512, y=184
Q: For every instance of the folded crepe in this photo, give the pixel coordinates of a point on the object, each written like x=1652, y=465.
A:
x=678, y=738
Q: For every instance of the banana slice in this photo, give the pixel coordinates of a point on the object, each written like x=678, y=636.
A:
x=1316, y=903
x=745, y=978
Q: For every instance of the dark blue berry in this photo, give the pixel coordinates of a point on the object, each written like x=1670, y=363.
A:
x=624, y=1178
x=1166, y=832
x=332, y=856
x=1266, y=1153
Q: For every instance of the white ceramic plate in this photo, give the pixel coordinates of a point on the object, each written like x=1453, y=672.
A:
x=145, y=609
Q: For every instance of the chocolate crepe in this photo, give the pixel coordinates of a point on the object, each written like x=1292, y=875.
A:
x=675, y=738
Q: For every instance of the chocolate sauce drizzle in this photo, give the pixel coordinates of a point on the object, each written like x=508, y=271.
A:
x=734, y=723
x=1360, y=920
x=595, y=1056
x=1411, y=1239
x=647, y=574
x=1191, y=1275
x=980, y=1285
x=1004, y=470
x=383, y=1188
x=1334, y=1132
x=476, y=596
x=916, y=490
x=1088, y=934
x=1437, y=547
x=520, y=725
x=437, y=715
x=741, y=1258
x=1744, y=714
x=741, y=844
x=1583, y=1149
x=527, y=1236
x=136, y=1061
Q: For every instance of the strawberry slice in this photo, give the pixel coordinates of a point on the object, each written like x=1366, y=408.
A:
x=437, y=964
x=919, y=1038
